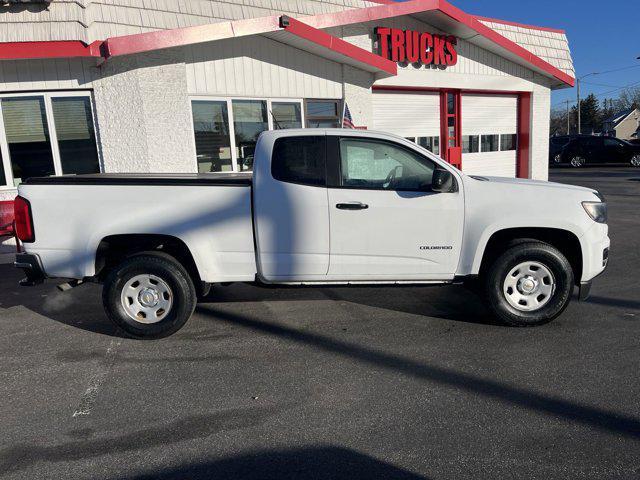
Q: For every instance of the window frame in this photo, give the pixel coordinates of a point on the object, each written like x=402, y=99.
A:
x=339, y=179
x=515, y=142
x=482, y=150
x=232, y=130
x=51, y=126
x=337, y=117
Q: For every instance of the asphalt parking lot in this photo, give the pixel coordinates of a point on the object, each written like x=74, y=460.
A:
x=328, y=383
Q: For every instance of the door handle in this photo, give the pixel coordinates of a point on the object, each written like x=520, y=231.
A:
x=352, y=206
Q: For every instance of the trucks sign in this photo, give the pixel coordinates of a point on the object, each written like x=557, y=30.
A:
x=410, y=46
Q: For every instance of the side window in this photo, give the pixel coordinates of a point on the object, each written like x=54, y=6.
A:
x=380, y=165
x=593, y=142
x=612, y=143
x=300, y=160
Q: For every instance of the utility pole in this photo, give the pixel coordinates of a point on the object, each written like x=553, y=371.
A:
x=578, y=107
x=568, y=118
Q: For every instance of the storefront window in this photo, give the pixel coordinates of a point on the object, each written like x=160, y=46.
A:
x=323, y=113
x=286, y=115
x=213, y=145
x=430, y=143
x=489, y=143
x=470, y=143
x=46, y=134
x=27, y=133
x=75, y=135
x=249, y=120
x=508, y=141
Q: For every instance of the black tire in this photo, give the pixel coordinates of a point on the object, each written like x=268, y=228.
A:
x=529, y=251
x=182, y=294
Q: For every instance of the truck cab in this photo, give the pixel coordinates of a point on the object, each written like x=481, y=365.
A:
x=359, y=207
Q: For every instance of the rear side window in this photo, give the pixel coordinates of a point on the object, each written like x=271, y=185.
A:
x=300, y=160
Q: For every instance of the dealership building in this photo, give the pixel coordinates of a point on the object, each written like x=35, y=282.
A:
x=164, y=86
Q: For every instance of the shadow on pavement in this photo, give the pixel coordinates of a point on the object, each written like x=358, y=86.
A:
x=313, y=463
x=614, y=302
x=530, y=400
x=81, y=307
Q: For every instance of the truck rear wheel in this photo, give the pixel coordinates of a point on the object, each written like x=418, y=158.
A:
x=149, y=296
x=529, y=284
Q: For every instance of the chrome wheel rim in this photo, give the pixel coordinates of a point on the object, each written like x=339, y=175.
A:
x=557, y=158
x=529, y=286
x=577, y=161
x=635, y=160
x=146, y=298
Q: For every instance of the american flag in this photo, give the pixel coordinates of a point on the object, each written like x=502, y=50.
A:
x=347, y=120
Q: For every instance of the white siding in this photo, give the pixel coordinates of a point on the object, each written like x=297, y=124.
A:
x=489, y=114
x=407, y=114
x=260, y=67
x=61, y=73
x=90, y=20
x=553, y=47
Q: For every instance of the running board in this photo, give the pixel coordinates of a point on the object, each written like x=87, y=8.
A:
x=365, y=282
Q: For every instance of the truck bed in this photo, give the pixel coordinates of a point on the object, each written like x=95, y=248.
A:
x=210, y=213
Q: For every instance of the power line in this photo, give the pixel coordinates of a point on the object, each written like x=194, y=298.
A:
x=599, y=94
x=602, y=84
x=618, y=69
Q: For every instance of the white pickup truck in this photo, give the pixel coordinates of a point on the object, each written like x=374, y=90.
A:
x=322, y=207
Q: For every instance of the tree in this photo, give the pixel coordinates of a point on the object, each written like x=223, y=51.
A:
x=558, y=121
x=592, y=113
x=628, y=98
x=589, y=114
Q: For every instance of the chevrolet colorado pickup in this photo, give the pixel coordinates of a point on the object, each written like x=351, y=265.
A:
x=321, y=207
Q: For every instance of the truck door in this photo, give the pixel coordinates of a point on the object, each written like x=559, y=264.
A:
x=386, y=223
x=290, y=208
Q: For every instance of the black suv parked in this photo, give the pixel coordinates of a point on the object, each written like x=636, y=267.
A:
x=579, y=150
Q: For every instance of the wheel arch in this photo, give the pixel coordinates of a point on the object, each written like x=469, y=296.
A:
x=113, y=249
x=564, y=240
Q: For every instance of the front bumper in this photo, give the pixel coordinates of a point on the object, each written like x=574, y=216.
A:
x=585, y=286
x=30, y=264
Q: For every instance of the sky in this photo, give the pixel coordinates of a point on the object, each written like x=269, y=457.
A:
x=603, y=35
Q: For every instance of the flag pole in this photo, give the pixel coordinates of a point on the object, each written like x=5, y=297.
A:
x=344, y=110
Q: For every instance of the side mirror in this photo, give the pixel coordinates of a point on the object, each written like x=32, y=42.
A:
x=442, y=181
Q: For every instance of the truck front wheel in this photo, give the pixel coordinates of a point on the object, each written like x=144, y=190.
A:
x=529, y=284
x=149, y=296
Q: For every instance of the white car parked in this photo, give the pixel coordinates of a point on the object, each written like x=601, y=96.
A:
x=322, y=207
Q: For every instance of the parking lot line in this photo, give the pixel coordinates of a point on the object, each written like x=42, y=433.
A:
x=89, y=396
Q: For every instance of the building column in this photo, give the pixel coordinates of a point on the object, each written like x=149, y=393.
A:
x=144, y=115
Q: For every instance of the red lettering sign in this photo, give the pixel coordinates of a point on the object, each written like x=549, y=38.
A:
x=417, y=47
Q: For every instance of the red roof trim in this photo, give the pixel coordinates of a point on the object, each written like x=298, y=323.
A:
x=177, y=37
x=144, y=42
x=504, y=42
x=516, y=24
x=494, y=20
x=338, y=45
x=396, y=9
x=54, y=49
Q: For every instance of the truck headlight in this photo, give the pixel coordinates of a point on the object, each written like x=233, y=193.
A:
x=596, y=210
